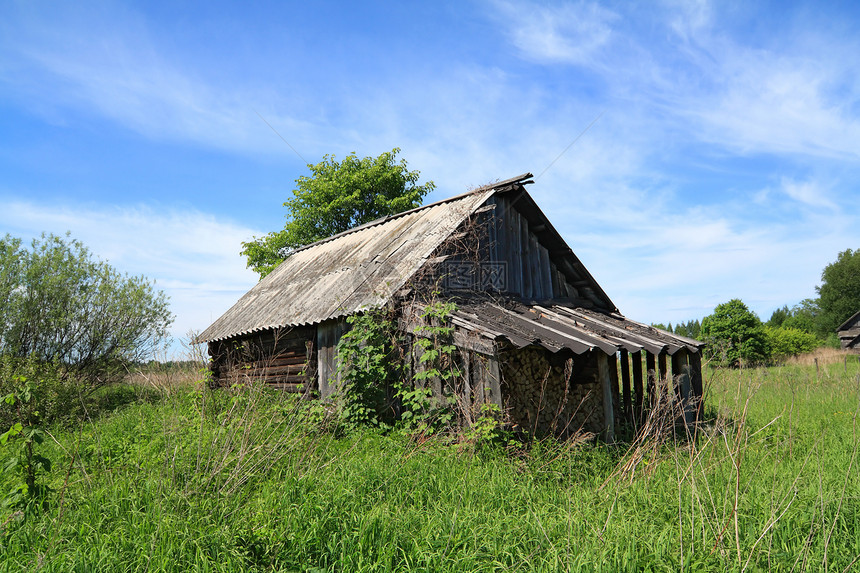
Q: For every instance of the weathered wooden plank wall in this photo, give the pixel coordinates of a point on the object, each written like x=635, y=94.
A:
x=328, y=336
x=530, y=271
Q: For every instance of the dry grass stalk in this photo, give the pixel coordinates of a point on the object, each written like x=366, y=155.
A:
x=823, y=355
x=658, y=428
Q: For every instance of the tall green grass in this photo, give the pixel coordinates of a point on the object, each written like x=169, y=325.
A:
x=252, y=481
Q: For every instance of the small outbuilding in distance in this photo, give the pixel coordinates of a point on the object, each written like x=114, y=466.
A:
x=534, y=332
x=849, y=334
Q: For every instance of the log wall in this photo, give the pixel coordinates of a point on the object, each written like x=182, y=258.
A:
x=285, y=359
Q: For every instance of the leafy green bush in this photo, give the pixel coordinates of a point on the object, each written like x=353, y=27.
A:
x=783, y=342
x=65, y=307
x=24, y=461
x=735, y=335
x=56, y=396
x=372, y=366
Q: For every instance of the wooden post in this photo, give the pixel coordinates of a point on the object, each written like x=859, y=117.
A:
x=479, y=378
x=494, y=381
x=638, y=387
x=651, y=366
x=681, y=380
x=328, y=335
x=608, y=413
x=613, y=376
x=689, y=407
x=664, y=371
x=467, y=385
x=677, y=362
x=696, y=384
x=625, y=386
x=816, y=369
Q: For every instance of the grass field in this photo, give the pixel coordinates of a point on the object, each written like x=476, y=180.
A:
x=184, y=479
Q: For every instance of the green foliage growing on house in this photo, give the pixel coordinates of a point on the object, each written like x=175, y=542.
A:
x=371, y=368
x=337, y=196
x=377, y=387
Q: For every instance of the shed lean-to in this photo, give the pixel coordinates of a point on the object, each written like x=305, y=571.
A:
x=535, y=333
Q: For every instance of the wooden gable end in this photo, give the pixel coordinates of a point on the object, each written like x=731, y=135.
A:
x=509, y=247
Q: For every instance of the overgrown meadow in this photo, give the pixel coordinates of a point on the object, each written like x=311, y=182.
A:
x=165, y=474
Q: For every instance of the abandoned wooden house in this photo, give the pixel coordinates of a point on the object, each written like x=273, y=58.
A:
x=535, y=333
x=849, y=334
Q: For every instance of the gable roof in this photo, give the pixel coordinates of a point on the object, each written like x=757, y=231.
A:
x=364, y=267
x=855, y=318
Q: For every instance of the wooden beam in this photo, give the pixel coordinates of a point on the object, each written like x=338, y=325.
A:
x=545, y=273
x=528, y=278
x=515, y=252
x=661, y=364
x=608, y=412
x=681, y=381
x=678, y=360
x=696, y=383
x=638, y=387
x=625, y=385
x=613, y=376
x=494, y=381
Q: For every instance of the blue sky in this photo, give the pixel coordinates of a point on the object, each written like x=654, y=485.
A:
x=724, y=161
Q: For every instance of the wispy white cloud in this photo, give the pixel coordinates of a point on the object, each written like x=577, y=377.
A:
x=809, y=193
x=795, y=96
x=779, y=104
x=569, y=33
x=192, y=256
x=111, y=66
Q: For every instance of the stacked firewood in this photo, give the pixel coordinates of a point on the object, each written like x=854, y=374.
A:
x=545, y=398
x=289, y=372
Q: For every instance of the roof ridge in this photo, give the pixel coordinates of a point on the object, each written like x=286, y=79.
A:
x=522, y=179
x=844, y=324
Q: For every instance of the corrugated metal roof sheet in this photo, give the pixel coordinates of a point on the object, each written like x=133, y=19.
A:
x=355, y=270
x=558, y=326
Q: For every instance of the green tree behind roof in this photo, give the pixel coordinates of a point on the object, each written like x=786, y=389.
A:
x=336, y=197
x=839, y=293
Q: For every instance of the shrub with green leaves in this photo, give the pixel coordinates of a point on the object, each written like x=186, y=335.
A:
x=783, y=342
x=735, y=335
x=372, y=367
x=25, y=435
x=58, y=396
x=64, y=306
